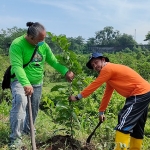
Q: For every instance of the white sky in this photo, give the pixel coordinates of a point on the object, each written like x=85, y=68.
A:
x=79, y=17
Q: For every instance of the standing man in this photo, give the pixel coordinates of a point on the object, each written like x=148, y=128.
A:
x=28, y=80
x=128, y=83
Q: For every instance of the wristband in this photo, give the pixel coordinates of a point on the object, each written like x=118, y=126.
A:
x=101, y=113
x=77, y=98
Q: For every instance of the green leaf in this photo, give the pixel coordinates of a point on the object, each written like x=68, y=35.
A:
x=57, y=87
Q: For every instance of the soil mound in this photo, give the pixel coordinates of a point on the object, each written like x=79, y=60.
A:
x=60, y=142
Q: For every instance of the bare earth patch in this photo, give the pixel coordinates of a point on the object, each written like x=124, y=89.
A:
x=60, y=142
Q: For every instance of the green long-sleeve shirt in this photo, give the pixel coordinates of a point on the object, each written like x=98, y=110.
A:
x=21, y=52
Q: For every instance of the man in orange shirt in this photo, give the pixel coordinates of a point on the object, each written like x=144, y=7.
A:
x=128, y=83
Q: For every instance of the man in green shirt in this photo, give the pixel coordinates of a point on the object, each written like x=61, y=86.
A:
x=28, y=81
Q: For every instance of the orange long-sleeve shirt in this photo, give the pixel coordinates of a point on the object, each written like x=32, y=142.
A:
x=118, y=77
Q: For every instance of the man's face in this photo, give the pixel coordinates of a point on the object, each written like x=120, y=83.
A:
x=97, y=64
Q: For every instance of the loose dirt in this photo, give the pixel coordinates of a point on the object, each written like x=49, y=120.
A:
x=60, y=142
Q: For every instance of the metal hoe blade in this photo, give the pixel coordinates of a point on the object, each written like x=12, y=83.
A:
x=90, y=136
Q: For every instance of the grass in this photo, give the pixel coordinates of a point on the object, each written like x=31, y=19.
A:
x=46, y=128
x=4, y=125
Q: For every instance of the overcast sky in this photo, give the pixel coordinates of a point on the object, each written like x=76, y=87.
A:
x=79, y=17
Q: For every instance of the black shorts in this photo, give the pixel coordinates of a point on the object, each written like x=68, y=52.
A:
x=132, y=117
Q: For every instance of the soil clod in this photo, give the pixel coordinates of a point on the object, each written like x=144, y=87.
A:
x=64, y=143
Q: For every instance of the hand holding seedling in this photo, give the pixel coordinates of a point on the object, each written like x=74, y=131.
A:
x=69, y=76
x=73, y=98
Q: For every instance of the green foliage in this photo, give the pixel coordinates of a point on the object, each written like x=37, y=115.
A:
x=109, y=37
x=147, y=37
x=77, y=44
x=7, y=36
x=4, y=123
x=106, y=36
x=67, y=57
x=80, y=117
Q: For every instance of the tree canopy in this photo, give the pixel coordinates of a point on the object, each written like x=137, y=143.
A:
x=108, y=36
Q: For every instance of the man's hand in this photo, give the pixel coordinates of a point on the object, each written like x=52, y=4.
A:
x=102, y=117
x=72, y=98
x=69, y=76
x=28, y=90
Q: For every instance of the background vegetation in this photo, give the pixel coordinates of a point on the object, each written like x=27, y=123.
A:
x=57, y=115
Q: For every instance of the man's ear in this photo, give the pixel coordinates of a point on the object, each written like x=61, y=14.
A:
x=30, y=37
